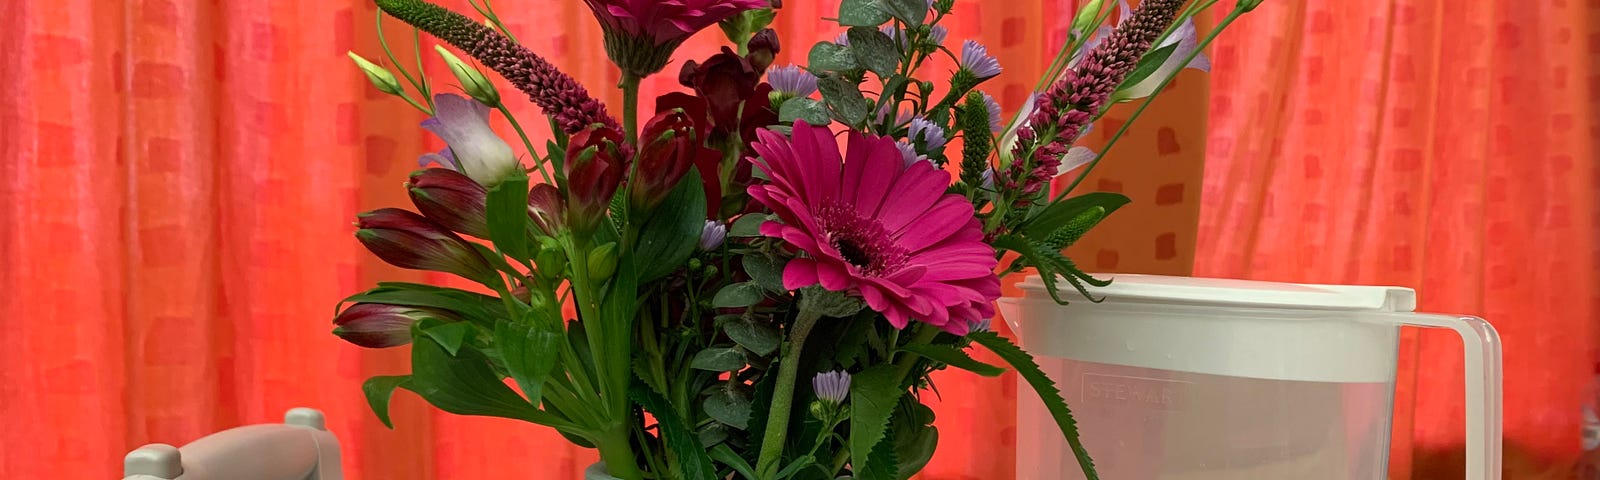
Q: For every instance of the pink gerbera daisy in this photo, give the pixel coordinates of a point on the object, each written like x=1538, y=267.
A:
x=872, y=225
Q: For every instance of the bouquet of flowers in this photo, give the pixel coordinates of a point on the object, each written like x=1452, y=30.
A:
x=758, y=282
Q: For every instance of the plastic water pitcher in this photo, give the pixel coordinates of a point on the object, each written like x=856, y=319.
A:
x=1179, y=378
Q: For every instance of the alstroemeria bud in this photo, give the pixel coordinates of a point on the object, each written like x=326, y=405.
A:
x=545, y=208
x=550, y=261
x=762, y=48
x=472, y=81
x=452, y=199
x=602, y=261
x=380, y=77
x=377, y=325
x=594, y=168
x=407, y=240
x=668, y=148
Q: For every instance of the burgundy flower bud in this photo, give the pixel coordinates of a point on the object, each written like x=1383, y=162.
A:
x=724, y=81
x=669, y=145
x=545, y=208
x=763, y=47
x=452, y=199
x=377, y=325
x=595, y=167
x=407, y=240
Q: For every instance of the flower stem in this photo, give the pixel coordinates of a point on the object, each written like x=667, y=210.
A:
x=1233, y=15
x=783, y=395
x=924, y=335
x=630, y=106
x=617, y=452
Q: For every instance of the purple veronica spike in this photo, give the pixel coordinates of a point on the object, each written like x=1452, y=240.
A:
x=975, y=58
x=831, y=386
x=931, y=134
x=792, y=80
x=994, y=112
x=473, y=149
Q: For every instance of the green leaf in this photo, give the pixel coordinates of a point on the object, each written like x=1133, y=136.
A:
x=482, y=310
x=874, y=50
x=681, y=442
x=530, y=350
x=737, y=295
x=718, y=359
x=812, y=111
x=748, y=225
x=379, y=391
x=672, y=231
x=765, y=271
x=873, y=395
x=1059, y=213
x=915, y=438
x=913, y=12
x=1031, y=256
x=1046, y=389
x=464, y=384
x=952, y=356
x=725, y=455
x=507, y=216
x=844, y=97
x=729, y=406
x=862, y=13
x=450, y=335
x=880, y=463
x=831, y=57
x=756, y=336
x=1148, y=64
x=795, y=466
x=765, y=389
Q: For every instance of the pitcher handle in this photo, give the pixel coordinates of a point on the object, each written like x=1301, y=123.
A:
x=1481, y=346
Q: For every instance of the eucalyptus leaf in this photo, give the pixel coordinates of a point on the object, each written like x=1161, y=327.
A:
x=913, y=12
x=756, y=336
x=862, y=13
x=672, y=231
x=749, y=224
x=379, y=390
x=812, y=111
x=718, y=359
x=831, y=57
x=729, y=406
x=507, y=216
x=737, y=295
x=844, y=98
x=765, y=271
x=873, y=395
x=874, y=50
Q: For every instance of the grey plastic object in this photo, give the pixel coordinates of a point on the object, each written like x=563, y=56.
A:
x=301, y=448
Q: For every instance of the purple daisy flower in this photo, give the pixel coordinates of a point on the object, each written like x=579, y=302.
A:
x=975, y=59
x=792, y=80
x=993, y=107
x=931, y=134
x=831, y=387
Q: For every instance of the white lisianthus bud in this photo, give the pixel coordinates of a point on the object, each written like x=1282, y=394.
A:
x=472, y=80
x=380, y=77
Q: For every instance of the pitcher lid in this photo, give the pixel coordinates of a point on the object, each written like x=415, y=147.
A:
x=1127, y=287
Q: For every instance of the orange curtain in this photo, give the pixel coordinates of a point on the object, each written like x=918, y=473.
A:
x=1445, y=145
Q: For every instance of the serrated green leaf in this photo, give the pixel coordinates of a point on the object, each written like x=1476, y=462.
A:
x=874, y=50
x=1046, y=388
x=379, y=391
x=449, y=335
x=881, y=463
x=1030, y=255
x=641, y=370
x=464, y=384
x=873, y=395
x=915, y=438
x=844, y=98
x=831, y=57
x=756, y=336
x=765, y=271
x=670, y=234
x=913, y=12
x=1148, y=65
x=681, y=442
x=718, y=359
x=507, y=216
x=1057, y=214
x=737, y=295
x=729, y=406
x=952, y=356
x=748, y=225
x=812, y=111
x=529, y=349
x=862, y=13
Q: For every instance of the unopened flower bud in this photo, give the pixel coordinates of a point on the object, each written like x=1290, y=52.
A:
x=377, y=325
x=550, y=260
x=452, y=199
x=380, y=77
x=595, y=168
x=603, y=261
x=408, y=240
x=712, y=235
x=472, y=81
x=1247, y=5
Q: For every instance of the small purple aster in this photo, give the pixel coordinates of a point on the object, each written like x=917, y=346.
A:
x=712, y=235
x=931, y=134
x=981, y=325
x=832, y=386
x=792, y=80
x=937, y=34
x=908, y=153
x=993, y=107
x=975, y=59
x=842, y=39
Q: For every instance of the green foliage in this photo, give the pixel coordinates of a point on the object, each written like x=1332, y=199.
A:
x=874, y=51
x=880, y=463
x=873, y=395
x=760, y=338
x=912, y=12
x=812, y=111
x=915, y=437
x=765, y=271
x=718, y=359
x=728, y=405
x=464, y=384
x=449, y=335
x=738, y=295
x=1074, y=229
x=1046, y=388
x=379, y=390
x=681, y=442
x=1057, y=214
x=862, y=13
x=831, y=57
x=749, y=225
x=955, y=357
x=670, y=234
x=507, y=216
x=1052, y=266
x=1148, y=64
x=845, y=99
x=530, y=350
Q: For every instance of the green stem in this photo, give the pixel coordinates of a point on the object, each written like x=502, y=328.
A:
x=630, y=106
x=903, y=366
x=537, y=162
x=783, y=396
x=616, y=450
x=1233, y=15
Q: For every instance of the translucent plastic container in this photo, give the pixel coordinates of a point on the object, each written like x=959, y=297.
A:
x=1178, y=378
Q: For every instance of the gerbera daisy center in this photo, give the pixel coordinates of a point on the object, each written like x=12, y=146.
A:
x=861, y=241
